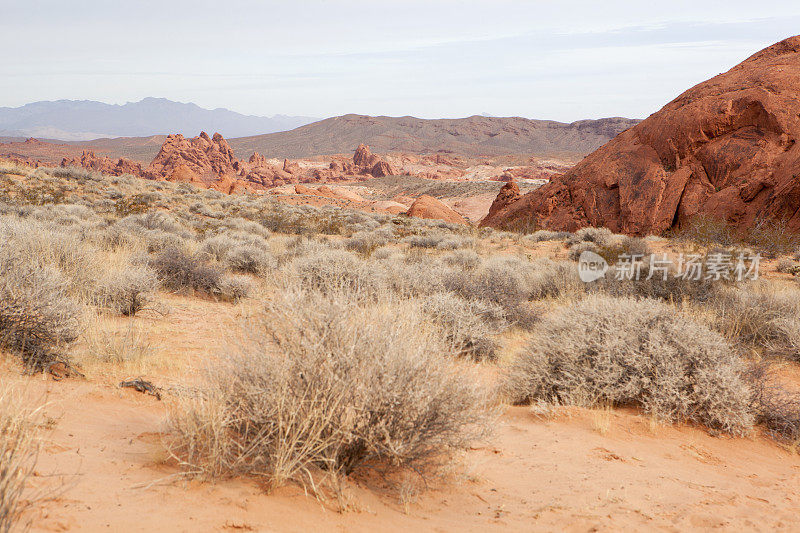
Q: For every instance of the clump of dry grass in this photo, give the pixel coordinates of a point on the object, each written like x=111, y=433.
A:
x=326, y=384
x=621, y=351
x=127, y=290
x=38, y=318
x=776, y=409
x=18, y=453
x=179, y=270
x=759, y=317
x=469, y=327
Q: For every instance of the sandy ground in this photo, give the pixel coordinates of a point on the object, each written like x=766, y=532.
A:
x=579, y=471
x=572, y=469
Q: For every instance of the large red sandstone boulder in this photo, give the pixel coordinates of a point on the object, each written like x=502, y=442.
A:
x=381, y=169
x=362, y=156
x=509, y=193
x=429, y=207
x=725, y=148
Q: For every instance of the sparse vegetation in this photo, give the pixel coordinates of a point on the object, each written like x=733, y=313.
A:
x=324, y=384
x=622, y=352
x=18, y=454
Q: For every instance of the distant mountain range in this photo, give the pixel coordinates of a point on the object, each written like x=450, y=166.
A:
x=82, y=120
x=475, y=136
x=472, y=136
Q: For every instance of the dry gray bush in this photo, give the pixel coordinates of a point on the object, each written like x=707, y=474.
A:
x=234, y=288
x=758, y=318
x=331, y=270
x=251, y=259
x=127, y=290
x=18, y=453
x=463, y=259
x=776, y=409
x=468, y=326
x=788, y=266
x=576, y=249
x=47, y=245
x=179, y=270
x=604, y=350
x=546, y=235
x=38, y=317
x=322, y=383
x=599, y=236
x=670, y=288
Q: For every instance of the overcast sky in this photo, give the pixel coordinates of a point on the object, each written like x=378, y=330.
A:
x=539, y=59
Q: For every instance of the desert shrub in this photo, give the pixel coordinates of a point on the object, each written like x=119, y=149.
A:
x=550, y=279
x=46, y=245
x=234, y=288
x=410, y=276
x=546, y=235
x=604, y=350
x=777, y=409
x=772, y=237
x=179, y=270
x=500, y=279
x=425, y=241
x=575, y=250
x=38, y=318
x=463, y=259
x=154, y=220
x=322, y=383
x=75, y=173
x=336, y=270
x=706, y=230
x=18, y=453
x=759, y=318
x=599, y=236
x=364, y=243
x=455, y=242
x=670, y=288
x=468, y=326
x=788, y=266
x=127, y=290
x=217, y=247
x=251, y=259
x=619, y=246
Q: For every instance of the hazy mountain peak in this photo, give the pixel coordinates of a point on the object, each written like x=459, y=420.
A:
x=87, y=119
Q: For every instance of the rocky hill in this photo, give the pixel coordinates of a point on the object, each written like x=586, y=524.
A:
x=472, y=136
x=726, y=148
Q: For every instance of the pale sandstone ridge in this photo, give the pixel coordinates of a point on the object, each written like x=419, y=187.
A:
x=429, y=207
x=726, y=148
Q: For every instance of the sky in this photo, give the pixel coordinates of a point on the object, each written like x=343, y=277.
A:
x=553, y=60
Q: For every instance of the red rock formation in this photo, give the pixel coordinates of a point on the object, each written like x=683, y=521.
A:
x=206, y=157
x=726, y=148
x=382, y=168
x=362, y=156
x=429, y=207
x=105, y=165
x=509, y=193
x=368, y=163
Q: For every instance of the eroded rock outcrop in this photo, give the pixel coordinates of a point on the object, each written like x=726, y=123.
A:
x=206, y=157
x=725, y=148
x=509, y=193
x=105, y=165
x=429, y=207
